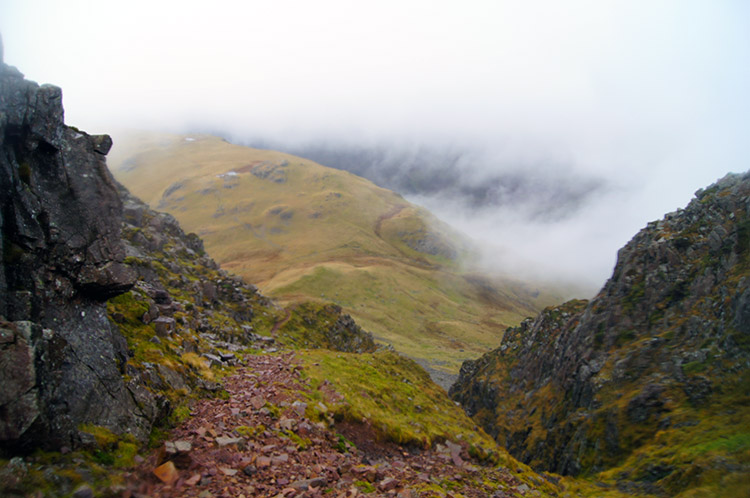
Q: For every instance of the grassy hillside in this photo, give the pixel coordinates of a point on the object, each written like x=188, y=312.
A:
x=302, y=231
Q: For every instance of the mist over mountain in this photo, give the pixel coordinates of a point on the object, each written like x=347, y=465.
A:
x=502, y=117
x=462, y=176
x=528, y=211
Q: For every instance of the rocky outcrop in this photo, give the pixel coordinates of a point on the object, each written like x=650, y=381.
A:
x=315, y=325
x=585, y=384
x=62, y=258
x=182, y=300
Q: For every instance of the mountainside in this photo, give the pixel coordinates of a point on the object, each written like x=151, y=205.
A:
x=133, y=366
x=451, y=173
x=649, y=382
x=302, y=231
x=69, y=358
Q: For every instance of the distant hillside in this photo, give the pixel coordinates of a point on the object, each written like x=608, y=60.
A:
x=459, y=175
x=648, y=384
x=303, y=231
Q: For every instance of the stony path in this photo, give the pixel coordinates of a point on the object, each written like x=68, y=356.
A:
x=260, y=443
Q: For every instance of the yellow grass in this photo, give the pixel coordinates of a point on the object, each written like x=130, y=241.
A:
x=303, y=231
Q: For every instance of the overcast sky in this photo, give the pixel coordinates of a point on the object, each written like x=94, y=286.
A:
x=651, y=96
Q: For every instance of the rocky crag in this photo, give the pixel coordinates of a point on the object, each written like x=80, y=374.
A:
x=62, y=362
x=648, y=381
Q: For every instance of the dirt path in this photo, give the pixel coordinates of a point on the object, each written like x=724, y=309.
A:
x=410, y=258
x=281, y=323
x=259, y=442
x=386, y=216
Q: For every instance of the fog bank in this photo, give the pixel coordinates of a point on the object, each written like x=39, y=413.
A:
x=551, y=131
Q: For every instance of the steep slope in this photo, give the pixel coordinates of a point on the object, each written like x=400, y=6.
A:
x=303, y=231
x=649, y=380
x=71, y=361
x=184, y=314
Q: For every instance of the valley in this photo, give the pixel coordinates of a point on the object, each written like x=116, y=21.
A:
x=301, y=231
x=140, y=359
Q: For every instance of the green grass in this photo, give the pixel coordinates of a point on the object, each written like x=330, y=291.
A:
x=327, y=235
x=398, y=401
x=395, y=397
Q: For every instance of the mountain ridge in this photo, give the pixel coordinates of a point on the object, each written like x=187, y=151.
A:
x=601, y=387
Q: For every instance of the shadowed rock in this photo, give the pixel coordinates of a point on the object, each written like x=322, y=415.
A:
x=62, y=258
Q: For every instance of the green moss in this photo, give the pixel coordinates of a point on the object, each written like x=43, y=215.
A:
x=105, y=438
x=625, y=336
x=157, y=436
x=395, y=397
x=129, y=307
x=300, y=442
x=250, y=432
x=134, y=261
x=694, y=367
x=365, y=486
x=104, y=457
x=635, y=296
x=124, y=457
x=343, y=444
x=274, y=411
x=179, y=414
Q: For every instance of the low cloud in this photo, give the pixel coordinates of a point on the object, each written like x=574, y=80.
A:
x=572, y=124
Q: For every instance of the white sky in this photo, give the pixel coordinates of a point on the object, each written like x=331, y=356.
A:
x=651, y=95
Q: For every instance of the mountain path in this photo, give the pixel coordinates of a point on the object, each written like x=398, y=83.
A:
x=259, y=442
x=411, y=259
x=387, y=216
x=281, y=323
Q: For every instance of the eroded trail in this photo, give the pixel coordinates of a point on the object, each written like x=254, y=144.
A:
x=259, y=442
x=386, y=216
x=281, y=323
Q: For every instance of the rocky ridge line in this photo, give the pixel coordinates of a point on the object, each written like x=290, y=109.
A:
x=584, y=385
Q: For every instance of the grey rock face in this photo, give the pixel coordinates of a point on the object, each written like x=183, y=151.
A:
x=668, y=329
x=62, y=258
x=19, y=395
